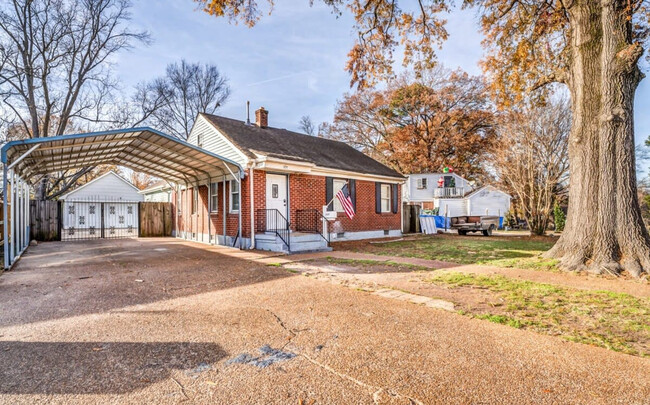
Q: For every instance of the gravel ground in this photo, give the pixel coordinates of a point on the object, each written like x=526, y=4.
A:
x=165, y=321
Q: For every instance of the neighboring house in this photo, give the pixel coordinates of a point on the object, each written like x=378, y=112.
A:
x=289, y=177
x=107, y=204
x=160, y=191
x=454, y=195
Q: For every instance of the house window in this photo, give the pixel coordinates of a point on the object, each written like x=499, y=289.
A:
x=337, y=185
x=199, y=140
x=450, y=181
x=195, y=199
x=385, y=198
x=422, y=183
x=214, y=197
x=234, y=196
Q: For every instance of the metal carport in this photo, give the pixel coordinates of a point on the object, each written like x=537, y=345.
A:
x=140, y=149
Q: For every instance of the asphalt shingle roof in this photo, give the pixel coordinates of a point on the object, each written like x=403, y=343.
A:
x=281, y=143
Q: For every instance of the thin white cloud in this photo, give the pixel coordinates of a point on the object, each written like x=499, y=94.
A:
x=275, y=79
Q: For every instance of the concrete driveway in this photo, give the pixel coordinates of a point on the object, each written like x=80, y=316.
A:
x=166, y=321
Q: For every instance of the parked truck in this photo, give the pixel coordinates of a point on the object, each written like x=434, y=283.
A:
x=465, y=224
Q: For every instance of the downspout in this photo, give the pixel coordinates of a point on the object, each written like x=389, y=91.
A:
x=401, y=208
x=223, y=216
x=209, y=210
x=252, y=198
x=241, y=208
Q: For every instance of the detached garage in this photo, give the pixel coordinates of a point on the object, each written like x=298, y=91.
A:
x=106, y=207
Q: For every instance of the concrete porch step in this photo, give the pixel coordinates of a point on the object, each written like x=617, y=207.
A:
x=300, y=242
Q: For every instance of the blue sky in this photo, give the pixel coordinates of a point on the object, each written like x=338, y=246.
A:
x=292, y=62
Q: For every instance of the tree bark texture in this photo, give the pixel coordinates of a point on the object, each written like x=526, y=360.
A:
x=604, y=231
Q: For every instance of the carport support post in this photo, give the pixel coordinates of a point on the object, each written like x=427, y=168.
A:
x=223, y=197
x=5, y=234
x=12, y=254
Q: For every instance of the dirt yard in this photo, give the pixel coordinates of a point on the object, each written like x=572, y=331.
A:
x=165, y=321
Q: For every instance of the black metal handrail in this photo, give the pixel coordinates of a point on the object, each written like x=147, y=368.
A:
x=310, y=220
x=272, y=220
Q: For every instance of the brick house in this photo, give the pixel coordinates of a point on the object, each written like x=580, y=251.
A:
x=287, y=179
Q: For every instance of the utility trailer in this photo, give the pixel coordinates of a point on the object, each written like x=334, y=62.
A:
x=465, y=224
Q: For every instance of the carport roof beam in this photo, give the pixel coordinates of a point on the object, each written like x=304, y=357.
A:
x=143, y=149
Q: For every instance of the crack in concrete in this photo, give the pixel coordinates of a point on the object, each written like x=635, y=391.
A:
x=377, y=390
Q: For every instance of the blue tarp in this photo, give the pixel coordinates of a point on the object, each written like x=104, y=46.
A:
x=440, y=221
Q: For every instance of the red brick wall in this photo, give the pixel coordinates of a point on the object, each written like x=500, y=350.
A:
x=308, y=191
x=305, y=192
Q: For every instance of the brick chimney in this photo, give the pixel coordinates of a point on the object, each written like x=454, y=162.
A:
x=261, y=117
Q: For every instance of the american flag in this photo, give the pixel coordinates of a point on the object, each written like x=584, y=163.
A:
x=346, y=202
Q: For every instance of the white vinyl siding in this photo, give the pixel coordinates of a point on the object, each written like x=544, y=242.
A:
x=488, y=201
x=385, y=198
x=214, y=197
x=234, y=196
x=413, y=192
x=453, y=207
x=109, y=187
x=215, y=142
x=337, y=185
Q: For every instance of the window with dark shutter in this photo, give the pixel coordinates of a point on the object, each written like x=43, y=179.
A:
x=394, y=206
x=353, y=193
x=378, y=198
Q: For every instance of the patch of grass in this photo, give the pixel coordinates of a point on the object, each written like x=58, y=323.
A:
x=274, y=264
x=521, y=252
x=616, y=321
x=372, y=263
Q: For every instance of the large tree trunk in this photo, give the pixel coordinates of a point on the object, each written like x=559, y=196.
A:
x=604, y=230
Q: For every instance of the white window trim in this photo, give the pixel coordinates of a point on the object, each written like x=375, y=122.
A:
x=336, y=204
x=389, y=199
x=230, y=210
x=214, y=208
x=422, y=183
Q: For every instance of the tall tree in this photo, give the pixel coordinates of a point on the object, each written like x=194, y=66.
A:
x=54, y=67
x=592, y=46
x=306, y=125
x=443, y=119
x=531, y=159
x=172, y=102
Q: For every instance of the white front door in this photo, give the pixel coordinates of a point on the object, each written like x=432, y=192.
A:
x=276, y=198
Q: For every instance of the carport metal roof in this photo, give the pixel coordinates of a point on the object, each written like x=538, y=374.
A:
x=141, y=149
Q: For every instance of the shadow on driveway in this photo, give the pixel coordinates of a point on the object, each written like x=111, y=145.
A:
x=97, y=367
x=57, y=280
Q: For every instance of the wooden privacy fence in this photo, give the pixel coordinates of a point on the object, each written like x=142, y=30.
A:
x=44, y=220
x=156, y=219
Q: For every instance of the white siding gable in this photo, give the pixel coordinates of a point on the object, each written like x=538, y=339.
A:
x=488, y=201
x=214, y=141
x=109, y=187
